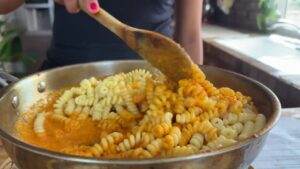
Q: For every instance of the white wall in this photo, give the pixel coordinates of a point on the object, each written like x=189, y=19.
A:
x=15, y=18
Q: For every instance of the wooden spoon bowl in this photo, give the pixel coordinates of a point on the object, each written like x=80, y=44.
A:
x=161, y=51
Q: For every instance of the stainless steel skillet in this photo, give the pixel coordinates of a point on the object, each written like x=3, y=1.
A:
x=21, y=95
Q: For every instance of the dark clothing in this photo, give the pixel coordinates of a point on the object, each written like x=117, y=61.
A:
x=77, y=38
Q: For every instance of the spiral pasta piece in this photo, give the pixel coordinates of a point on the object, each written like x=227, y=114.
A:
x=39, y=123
x=84, y=100
x=130, y=142
x=231, y=118
x=208, y=115
x=160, y=100
x=106, y=143
x=195, y=110
x=152, y=119
x=141, y=153
x=229, y=133
x=238, y=127
x=78, y=109
x=221, y=142
x=187, y=132
x=162, y=130
x=73, y=99
x=84, y=112
x=260, y=122
x=186, y=117
x=182, y=150
x=77, y=91
x=168, y=118
x=138, y=139
x=236, y=107
x=138, y=75
x=60, y=103
x=94, y=82
x=209, y=88
x=245, y=117
x=207, y=129
x=179, y=107
x=173, y=138
x=101, y=110
x=129, y=103
x=207, y=103
x=190, y=88
x=197, y=140
x=222, y=106
x=247, y=130
x=218, y=123
x=155, y=146
x=70, y=107
x=228, y=94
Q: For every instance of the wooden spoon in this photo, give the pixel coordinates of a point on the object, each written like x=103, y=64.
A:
x=162, y=52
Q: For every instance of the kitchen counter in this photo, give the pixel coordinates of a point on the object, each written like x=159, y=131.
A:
x=265, y=52
x=268, y=59
x=282, y=148
x=266, y=55
x=279, y=153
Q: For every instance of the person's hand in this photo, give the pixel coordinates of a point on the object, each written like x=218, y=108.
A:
x=72, y=6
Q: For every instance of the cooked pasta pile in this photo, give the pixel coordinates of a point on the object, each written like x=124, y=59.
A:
x=136, y=115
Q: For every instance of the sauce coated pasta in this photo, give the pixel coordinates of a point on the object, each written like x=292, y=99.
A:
x=139, y=115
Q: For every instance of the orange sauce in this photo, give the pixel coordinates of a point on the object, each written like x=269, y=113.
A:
x=59, y=136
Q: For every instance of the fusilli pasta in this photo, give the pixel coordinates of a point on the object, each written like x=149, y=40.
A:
x=39, y=121
x=106, y=143
x=137, y=115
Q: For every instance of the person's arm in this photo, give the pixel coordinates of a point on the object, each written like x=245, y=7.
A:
x=188, y=27
x=7, y=6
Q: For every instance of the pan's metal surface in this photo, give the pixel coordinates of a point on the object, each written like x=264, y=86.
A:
x=27, y=91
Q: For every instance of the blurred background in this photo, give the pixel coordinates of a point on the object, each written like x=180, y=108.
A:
x=257, y=38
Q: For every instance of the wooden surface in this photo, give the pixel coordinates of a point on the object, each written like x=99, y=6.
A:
x=274, y=156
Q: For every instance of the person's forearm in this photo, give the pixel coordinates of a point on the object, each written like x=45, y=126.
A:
x=193, y=44
x=188, y=28
x=7, y=6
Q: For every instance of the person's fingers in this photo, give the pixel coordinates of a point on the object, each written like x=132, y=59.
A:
x=71, y=6
x=92, y=6
x=61, y=2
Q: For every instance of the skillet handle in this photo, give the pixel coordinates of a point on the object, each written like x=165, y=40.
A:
x=6, y=79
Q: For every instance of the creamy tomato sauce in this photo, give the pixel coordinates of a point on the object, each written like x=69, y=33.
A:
x=59, y=135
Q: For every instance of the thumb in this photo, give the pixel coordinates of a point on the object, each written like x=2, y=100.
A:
x=92, y=6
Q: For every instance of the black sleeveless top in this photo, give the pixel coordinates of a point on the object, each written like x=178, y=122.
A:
x=77, y=38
